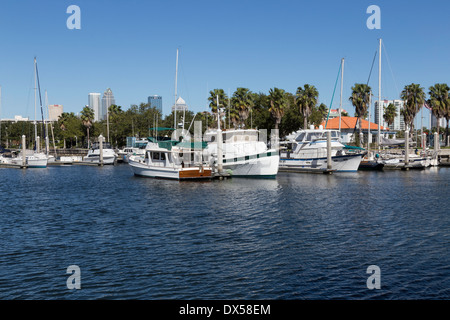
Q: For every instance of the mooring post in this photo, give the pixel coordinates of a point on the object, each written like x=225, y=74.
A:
x=329, y=163
x=24, y=148
x=406, y=147
x=100, y=141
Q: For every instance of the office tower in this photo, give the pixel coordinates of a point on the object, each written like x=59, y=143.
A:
x=107, y=100
x=94, y=104
x=155, y=102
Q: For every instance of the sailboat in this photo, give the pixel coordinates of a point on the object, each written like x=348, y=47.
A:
x=33, y=158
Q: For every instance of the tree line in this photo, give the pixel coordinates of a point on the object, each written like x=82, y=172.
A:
x=277, y=109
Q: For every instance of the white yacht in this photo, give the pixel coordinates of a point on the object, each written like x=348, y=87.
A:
x=167, y=160
x=109, y=155
x=243, y=154
x=135, y=148
x=32, y=159
x=306, y=151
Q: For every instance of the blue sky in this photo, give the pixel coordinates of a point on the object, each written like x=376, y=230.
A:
x=130, y=47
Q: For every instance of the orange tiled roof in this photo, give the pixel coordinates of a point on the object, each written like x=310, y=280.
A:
x=350, y=123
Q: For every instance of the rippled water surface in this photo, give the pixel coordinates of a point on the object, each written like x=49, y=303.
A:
x=298, y=236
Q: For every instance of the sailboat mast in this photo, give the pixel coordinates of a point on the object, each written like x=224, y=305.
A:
x=0, y=116
x=175, y=105
x=47, y=138
x=340, y=103
x=35, y=108
x=379, y=95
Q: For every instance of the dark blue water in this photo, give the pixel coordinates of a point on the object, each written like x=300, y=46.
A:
x=299, y=236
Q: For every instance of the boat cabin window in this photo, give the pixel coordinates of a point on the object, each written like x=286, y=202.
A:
x=313, y=136
x=300, y=137
x=158, y=156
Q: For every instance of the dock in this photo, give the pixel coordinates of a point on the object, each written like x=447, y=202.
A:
x=13, y=165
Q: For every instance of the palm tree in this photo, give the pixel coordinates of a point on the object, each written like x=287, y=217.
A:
x=439, y=101
x=213, y=100
x=278, y=103
x=360, y=100
x=306, y=100
x=447, y=117
x=242, y=102
x=414, y=98
x=390, y=112
x=113, y=112
x=62, y=121
x=87, y=117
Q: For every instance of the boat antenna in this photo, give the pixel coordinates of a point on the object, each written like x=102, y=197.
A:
x=334, y=91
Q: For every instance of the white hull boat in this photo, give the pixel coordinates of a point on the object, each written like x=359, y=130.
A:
x=163, y=163
x=93, y=156
x=243, y=154
x=306, y=151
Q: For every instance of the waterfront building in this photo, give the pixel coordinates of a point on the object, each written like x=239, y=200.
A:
x=180, y=105
x=399, y=121
x=107, y=100
x=334, y=113
x=434, y=122
x=55, y=111
x=94, y=104
x=155, y=101
x=349, y=128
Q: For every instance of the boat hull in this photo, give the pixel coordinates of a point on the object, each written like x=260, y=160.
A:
x=173, y=173
x=344, y=163
x=266, y=167
x=107, y=160
x=371, y=166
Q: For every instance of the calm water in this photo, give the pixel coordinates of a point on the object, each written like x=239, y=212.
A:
x=299, y=236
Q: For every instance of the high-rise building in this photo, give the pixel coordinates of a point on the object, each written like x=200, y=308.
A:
x=399, y=121
x=155, y=102
x=94, y=104
x=434, y=122
x=54, y=111
x=107, y=100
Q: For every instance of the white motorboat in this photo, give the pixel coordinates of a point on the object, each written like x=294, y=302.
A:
x=109, y=155
x=243, y=154
x=398, y=162
x=127, y=152
x=306, y=151
x=176, y=163
x=32, y=159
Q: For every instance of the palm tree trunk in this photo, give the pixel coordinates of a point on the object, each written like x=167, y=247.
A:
x=446, y=135
x=305, y=122
x=88, y=136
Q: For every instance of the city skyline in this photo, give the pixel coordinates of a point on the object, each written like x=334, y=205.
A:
x=304, y=43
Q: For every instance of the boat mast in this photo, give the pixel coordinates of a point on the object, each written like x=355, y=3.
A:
x=340, y=103
x=379, y=95
x=35, y=112
x=0, y=116
x=368, y=130
x=175, y=105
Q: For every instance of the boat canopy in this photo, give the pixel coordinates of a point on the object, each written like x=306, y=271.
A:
x=169, y=144
x=161, y=129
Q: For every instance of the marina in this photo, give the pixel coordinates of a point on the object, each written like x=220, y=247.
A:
x=245, y=156
x=299, y=236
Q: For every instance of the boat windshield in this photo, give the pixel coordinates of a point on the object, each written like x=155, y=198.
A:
x=106, y=145
x=312, y=136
